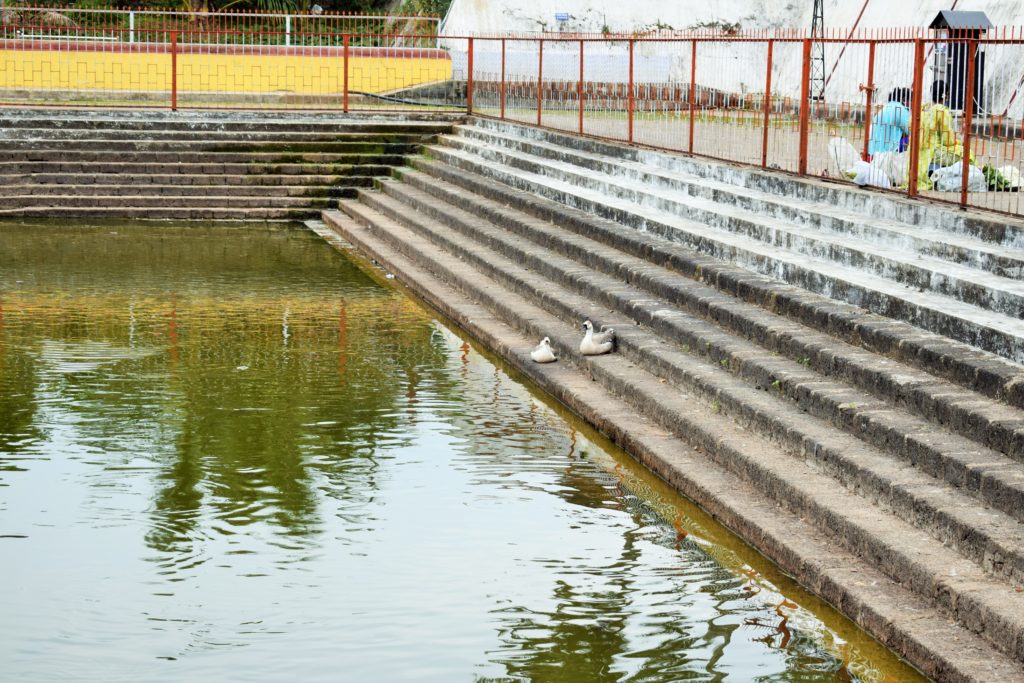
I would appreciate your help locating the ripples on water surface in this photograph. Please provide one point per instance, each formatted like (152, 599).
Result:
(227, 453)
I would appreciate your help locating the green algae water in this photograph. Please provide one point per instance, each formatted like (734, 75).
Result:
(228, 453)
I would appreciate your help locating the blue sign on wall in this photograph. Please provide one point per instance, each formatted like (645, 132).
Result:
(561, 16)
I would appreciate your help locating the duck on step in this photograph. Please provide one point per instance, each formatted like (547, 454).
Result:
(596, 344)
(543, 353)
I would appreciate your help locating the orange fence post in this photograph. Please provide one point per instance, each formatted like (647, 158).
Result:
(914, 148)
(540, 80)
(580, 88)
(629, 96)
(968, 102)
(805, 106)
(503, 78)
(767, 104)
(344, 78)
(693, 88)
(469, 79)
(174, 71)
(869, 96)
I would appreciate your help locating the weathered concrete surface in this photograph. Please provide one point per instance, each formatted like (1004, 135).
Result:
(842, 443)
(196, 165)
(791, 229)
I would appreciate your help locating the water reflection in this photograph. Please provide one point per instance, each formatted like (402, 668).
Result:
(233, 451)
(648, 603)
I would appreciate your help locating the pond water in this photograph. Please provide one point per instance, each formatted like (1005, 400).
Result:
(228, 453)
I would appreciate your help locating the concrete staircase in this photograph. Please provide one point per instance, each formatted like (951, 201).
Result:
(791, 356)
(243, 166)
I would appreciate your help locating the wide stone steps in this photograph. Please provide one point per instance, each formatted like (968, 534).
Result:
(207, 165)
(43, 160)
(196, 125)
(921, 272)
(857, 463)
(892, 261)
(198, 211)
(242, 183)
(312, 186)
(200, 129)
(173, 168)
(139, 201)
(759, 341)
(864, 205)
(832, 337)
(696, 400)
(172, 138)
(211, 165)
(357, 144)
(978, 252)
(987, 329)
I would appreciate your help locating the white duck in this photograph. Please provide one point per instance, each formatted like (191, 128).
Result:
(543, 353)
(596, 344)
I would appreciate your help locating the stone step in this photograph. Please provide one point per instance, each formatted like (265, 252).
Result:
(306, 189)
(45, 159)
(899, 265)
(988, 330)
(362, 176)
(605, 247)
(49, 168)
(199, 125)
(807, 427)
(998, 259)
(197, 165)
(139, 201)
(338, 153)
(199, 212)
(863, 336)
(20, 138)
(865, 203)
(932, 573)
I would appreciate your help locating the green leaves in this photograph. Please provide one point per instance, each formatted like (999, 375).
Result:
(266, 5)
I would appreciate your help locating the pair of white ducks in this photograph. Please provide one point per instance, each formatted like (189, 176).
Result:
(593, 344)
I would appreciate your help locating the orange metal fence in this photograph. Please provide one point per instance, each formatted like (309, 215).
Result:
(199, 68)
(925, 113)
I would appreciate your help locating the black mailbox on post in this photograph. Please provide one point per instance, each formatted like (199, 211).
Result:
(951, 57)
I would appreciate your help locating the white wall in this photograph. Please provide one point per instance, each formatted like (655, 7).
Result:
(733, 67)
(475, 17)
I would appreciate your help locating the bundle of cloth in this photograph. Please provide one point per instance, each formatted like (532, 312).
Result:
(940, 153)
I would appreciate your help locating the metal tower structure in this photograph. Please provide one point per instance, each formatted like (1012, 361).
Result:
(817, 88)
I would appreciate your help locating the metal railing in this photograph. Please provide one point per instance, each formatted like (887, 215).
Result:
(225, 69)
(932, 114)
(925, 113)
(279, 28)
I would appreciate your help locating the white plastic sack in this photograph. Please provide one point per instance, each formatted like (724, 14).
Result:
(1012, 175)
(841, 156)
(950, 178)
(866, 174)
(893, 165)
